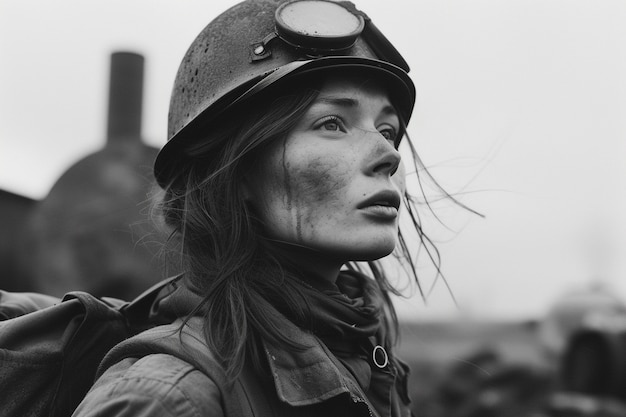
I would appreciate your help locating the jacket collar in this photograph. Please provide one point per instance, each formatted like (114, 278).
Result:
(304, 377)
(311, 375)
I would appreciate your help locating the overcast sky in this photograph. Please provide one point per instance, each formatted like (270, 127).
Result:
(520, 113)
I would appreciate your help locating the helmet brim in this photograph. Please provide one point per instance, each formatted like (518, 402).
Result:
(400, 86)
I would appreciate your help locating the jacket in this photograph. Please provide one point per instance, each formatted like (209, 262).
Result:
(311, 382)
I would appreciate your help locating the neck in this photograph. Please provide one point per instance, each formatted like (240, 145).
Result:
(311, 263)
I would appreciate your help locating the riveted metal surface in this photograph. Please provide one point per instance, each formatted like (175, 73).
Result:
(221, 67)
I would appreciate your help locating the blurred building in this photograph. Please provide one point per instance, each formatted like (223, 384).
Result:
(15, 212)
(93, 230)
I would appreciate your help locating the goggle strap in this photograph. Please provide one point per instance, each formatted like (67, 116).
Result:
(381, 46)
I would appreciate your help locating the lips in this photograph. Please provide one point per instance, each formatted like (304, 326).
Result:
(385, 198)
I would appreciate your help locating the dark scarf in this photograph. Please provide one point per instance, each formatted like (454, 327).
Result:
(348, 318)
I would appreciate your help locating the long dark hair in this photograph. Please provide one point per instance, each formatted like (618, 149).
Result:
(223, 252)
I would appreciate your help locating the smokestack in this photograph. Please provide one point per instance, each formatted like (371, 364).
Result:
(125, 96)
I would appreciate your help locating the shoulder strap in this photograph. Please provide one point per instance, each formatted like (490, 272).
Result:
(140, 309)
(242, 398)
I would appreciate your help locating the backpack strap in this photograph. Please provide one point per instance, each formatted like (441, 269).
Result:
(241, 398)
(141, 310)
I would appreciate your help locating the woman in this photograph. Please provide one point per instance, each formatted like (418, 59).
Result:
(281, 171)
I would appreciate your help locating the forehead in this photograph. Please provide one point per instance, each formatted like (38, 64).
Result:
(355, 87)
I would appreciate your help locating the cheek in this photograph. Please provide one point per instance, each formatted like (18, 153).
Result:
(319, 179)
(316, 187)
(296, 189)
(399, 178)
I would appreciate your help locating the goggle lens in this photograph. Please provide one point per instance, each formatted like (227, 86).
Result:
(318, 25)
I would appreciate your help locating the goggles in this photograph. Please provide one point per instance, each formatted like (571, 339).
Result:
(324, 27)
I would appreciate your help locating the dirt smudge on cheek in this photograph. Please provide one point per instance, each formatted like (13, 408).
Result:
(289, 183)
(321, 185)
(322, 180)
(286, 177)
(314, 185)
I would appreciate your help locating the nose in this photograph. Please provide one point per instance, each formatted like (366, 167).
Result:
(386, 160)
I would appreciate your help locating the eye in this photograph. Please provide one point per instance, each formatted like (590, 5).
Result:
(331, 124)
(390, 133)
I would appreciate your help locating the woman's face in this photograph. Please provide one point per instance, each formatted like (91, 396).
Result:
(335, 183)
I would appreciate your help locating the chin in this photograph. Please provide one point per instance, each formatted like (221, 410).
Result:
(359, 252)
(376, 254)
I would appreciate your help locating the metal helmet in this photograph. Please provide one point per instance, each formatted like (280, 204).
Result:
(259, 43)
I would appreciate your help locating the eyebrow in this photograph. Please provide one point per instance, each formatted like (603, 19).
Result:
(350, 103)
(339, 101)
